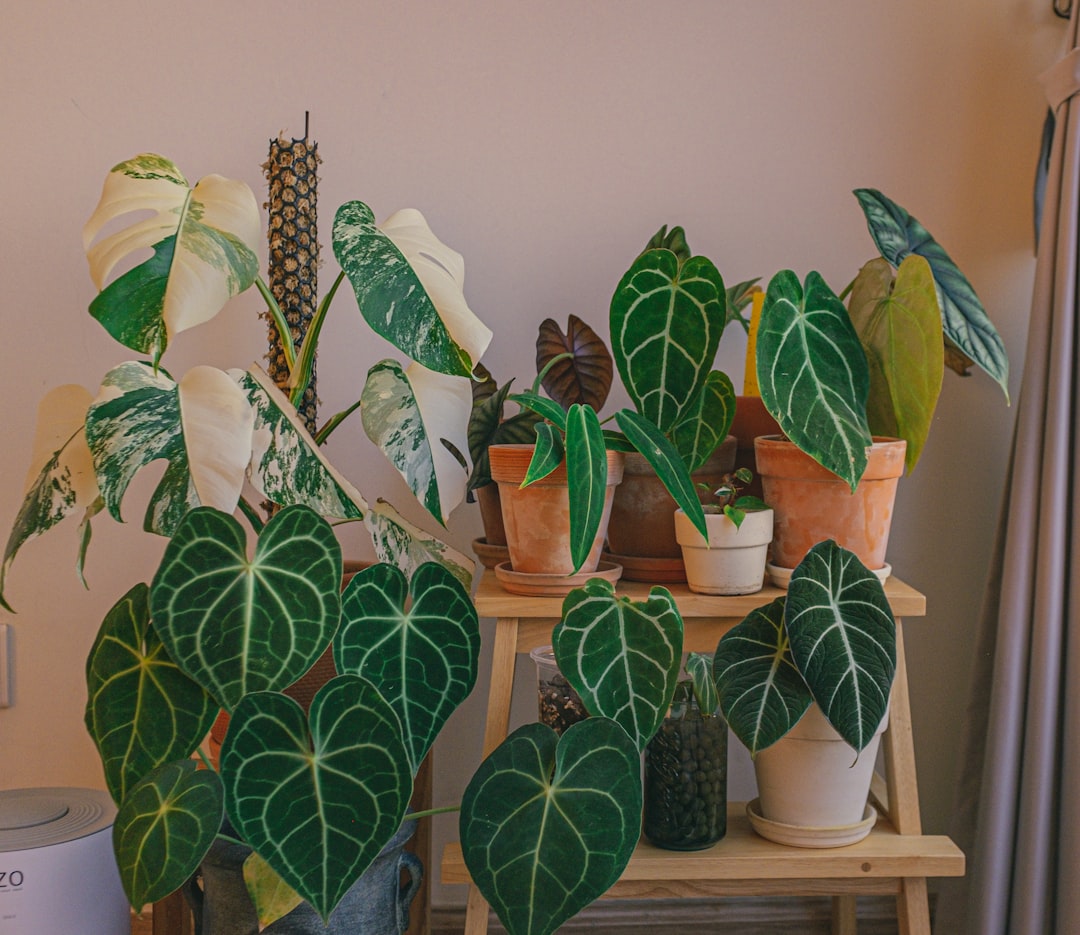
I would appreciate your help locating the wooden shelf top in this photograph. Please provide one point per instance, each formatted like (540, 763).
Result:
(745, 856)
(493, 601)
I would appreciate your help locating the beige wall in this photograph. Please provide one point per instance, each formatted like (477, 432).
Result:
(546, 141)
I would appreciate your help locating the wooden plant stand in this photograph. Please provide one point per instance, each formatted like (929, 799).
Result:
(897, 858)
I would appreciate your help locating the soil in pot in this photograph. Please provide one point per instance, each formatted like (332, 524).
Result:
(811, 504)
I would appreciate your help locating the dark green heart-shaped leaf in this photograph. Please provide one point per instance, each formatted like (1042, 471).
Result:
(238, 625)
(549, 824)
(899, 325)
(665, 322)
(164, 828)
(843, 639)
(666, 462)
(422, 660)
(761, 691)
(621, 656)
(141, 710)
(812, 373)
(706, 421)
(897, 235)
(587, 475)
(317, 806)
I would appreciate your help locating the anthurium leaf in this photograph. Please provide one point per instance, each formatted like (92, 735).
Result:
(204, 241)
(61, 479)
(621, 656)
(407, 546)
(547, 454)
(201, 426)
(237, 624)
(666, 319)
(417, 641)
(406, 413)
(699, 668)
(163, 829)
(142, 711)
(673, 240)
(586, 472)
(899, 325)
(542, 406)
(317, 803)
(286, 466)
(585, 377)
(271, 896)
(665, 460)
(812, 373)
(761, 691)
(706, 421)
(549, 824)
(843, 639)
(409, 288)
(965, 322)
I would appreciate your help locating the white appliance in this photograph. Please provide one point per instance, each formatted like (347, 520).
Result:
(58, 874)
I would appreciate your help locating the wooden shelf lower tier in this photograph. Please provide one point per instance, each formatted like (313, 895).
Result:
(745, 864)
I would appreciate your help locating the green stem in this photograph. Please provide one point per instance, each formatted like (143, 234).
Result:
(433, 811)
(280, 323)
(252, 515)
(847, 291)
(538, 382)
(335, 421)
(300, 373)
(205, 761)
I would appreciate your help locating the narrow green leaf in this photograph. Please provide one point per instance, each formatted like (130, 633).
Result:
(586, 471)
(547, 455)
(549, 824)
(621, 656)
(542, 406)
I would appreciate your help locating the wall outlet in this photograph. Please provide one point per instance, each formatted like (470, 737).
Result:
(6, 660)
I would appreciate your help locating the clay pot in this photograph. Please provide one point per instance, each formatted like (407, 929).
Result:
(491, 514)
(812, 504)
(537, 517)
(732, 561)
(751, 420)
(641, 515)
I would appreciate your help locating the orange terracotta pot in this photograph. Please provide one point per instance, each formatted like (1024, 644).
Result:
(812, 504)
(537, 517)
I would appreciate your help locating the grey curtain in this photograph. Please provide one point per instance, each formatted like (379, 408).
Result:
(1017, 813)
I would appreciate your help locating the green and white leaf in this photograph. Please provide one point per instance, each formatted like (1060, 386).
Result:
(587, 475)
(407, 546)
(812, 373)
(666, 462)
(204, 240)
(699, 668)
(965, 322)
(843, 639)
(318, 801)
(163, 829)
(706, 422)
(271, 896)
(899, 326)
(286, 466)
(417, 642)
(409, 287)
(621, 656)
(761, 691)
(61, 479)
(237, 624)
(666, 319)
(201, 426)
(548, 824)
(142, 711)
(407, 413)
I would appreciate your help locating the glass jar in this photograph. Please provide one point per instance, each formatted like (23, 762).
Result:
(559, 705)
(686, 777)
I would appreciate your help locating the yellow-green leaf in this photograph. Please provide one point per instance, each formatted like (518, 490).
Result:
(271, 895)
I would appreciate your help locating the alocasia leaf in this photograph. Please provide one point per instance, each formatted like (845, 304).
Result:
(317, 798)
(237, 624)
(549, 824)
(585, 376)
(205, 241)
(163, 829)
(621, 656)
(142, 711)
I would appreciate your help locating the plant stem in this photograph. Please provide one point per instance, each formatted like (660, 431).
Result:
(252, 515)
(427, 813)
(302, 367)
(538, 382)
(280, 323)
(847, 291)
(335, 421)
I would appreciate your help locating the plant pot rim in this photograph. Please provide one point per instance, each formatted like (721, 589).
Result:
(510, 462)
(778, 456)
(721, 526)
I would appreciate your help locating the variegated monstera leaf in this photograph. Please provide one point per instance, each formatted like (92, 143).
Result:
(204, 241)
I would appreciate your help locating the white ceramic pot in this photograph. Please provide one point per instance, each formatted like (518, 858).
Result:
(732, 561)
(812, 778)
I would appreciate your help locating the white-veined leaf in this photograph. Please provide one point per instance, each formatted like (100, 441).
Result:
(407, 546)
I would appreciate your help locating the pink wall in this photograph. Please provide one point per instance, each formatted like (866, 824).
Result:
(546, 141)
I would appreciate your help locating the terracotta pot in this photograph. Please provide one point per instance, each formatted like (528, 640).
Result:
(812, 504)
(537, 517)
(751, 420)
(641, 514)
(491, 514)
(732, 561)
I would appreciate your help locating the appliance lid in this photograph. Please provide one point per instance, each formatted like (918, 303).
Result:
(31, 818)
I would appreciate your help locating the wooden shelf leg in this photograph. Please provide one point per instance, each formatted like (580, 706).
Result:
(899, 750)
(913, 907)
(844, 920)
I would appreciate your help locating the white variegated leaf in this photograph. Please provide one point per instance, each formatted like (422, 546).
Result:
(286, 466)
(441, 270)
(407, 546)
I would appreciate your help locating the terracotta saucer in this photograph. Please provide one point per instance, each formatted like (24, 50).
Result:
(800, 836)
(780, 576)
(651, 570)
(547, 585)
(490, 555)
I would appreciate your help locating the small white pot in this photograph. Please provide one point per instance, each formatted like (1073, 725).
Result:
(812, 778)
(732, 561)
